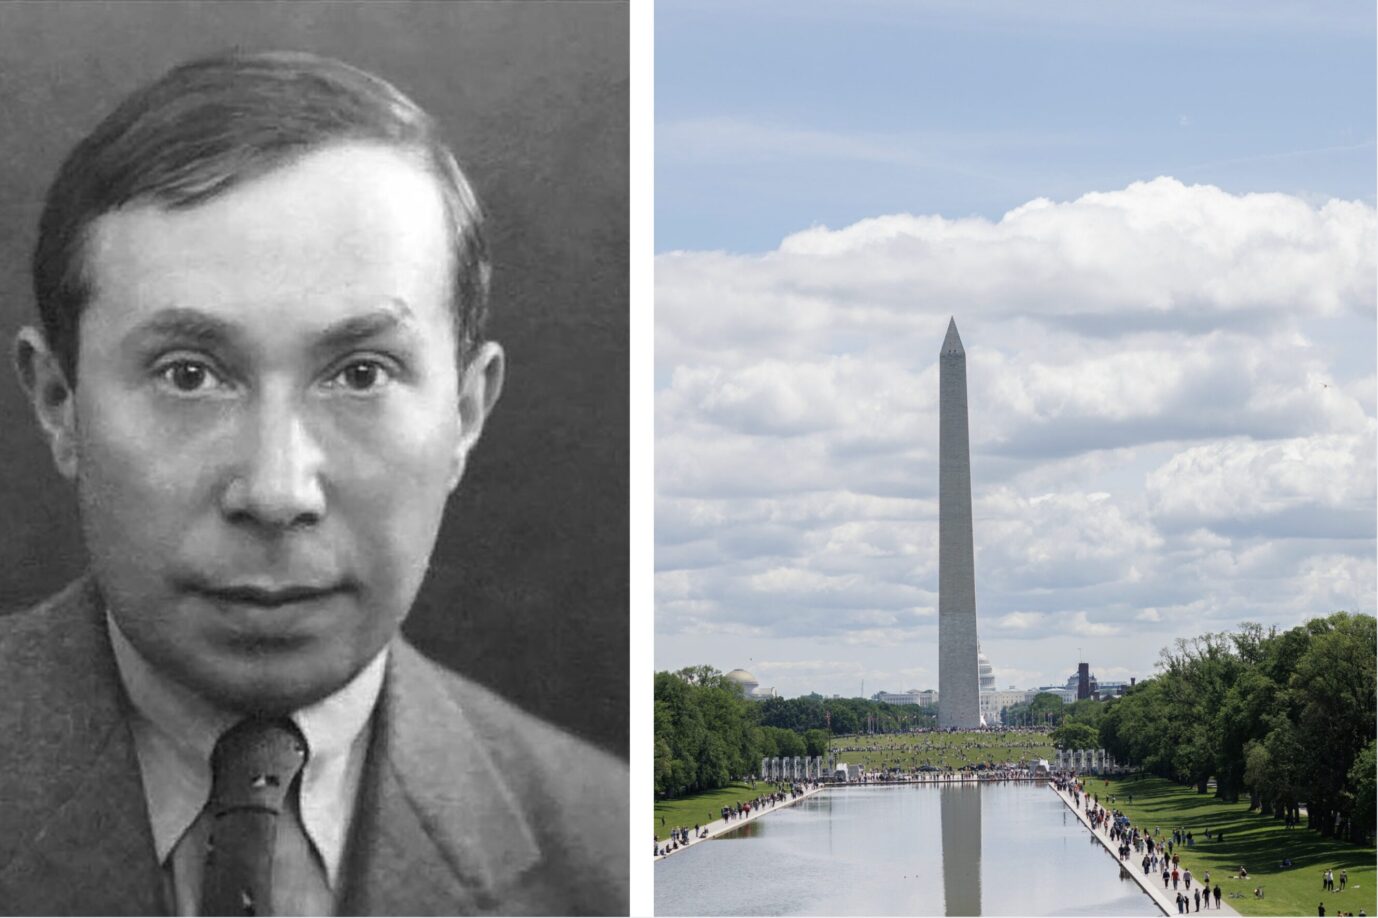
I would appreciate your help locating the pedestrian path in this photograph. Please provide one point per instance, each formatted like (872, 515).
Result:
(1165, 899)
(719, 826)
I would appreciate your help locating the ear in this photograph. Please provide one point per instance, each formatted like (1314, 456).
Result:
(53, 399)
(479, 389)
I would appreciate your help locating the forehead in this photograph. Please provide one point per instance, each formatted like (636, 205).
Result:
(342, 225)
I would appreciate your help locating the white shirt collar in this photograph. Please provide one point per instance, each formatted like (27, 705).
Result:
(175, 731)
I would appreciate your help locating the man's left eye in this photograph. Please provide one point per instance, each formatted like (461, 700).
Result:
(362, 376)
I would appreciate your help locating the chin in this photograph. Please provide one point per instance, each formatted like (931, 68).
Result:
(272, 684)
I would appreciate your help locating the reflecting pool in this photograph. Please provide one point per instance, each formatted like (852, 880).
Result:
(993, 849)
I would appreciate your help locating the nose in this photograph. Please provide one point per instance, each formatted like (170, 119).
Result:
(276, 482)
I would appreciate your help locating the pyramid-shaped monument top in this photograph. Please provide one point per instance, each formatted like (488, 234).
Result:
(952, 344)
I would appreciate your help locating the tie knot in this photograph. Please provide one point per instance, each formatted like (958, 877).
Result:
(254, 764)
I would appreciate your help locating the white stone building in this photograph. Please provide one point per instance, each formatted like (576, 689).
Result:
(749, 686)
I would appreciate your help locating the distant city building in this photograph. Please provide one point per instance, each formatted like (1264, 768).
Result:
(927, 698)
(1074, 682)
(994, 703)
(1066, 694)
(749, 686)
(985, 672)
(1095, 688)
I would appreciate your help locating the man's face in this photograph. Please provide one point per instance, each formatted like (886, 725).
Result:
(268, 421)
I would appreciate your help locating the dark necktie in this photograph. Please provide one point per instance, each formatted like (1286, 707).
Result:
(253, 767)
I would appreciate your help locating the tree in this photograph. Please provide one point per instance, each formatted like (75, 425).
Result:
(664, 758)
(1135, 728)
(683, 732)
(816, 742)
(1241, 719)
(1087, 711)
(1286, 716)
(1072, 735)
(1334, 684)
(844, 717)
(704, 675)
(1364, 801)
(1196, 677)
(1045, 708)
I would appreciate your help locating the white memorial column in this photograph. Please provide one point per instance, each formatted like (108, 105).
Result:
(958, 681)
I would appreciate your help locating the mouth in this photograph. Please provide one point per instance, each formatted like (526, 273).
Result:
(258, 617)
(266, 597)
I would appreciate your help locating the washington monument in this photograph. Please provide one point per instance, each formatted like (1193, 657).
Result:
(958, 682)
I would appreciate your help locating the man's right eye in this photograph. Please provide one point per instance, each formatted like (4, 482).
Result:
(189, 376)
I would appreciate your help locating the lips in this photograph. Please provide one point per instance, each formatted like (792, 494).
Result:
(269, 597)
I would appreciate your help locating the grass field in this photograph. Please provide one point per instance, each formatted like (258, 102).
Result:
(698, 809)
(908, 751)
(1258, 842)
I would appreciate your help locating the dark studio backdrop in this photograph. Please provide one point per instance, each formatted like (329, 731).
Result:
(528, 589)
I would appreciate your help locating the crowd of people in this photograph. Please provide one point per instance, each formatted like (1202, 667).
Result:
(1157, 851)
(909, 754)
(948, 775)
(1159, 854)
(682, 837)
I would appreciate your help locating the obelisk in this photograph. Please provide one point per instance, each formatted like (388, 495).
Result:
(958, 682)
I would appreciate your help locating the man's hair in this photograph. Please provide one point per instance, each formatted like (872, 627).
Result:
(210, 124)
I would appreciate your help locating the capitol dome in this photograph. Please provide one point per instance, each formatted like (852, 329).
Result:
(986, 671)
(744, 681)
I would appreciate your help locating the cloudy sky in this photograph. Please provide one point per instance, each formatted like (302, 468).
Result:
(1157, 235)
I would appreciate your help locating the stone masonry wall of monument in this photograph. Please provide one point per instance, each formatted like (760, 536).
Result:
(958, 680)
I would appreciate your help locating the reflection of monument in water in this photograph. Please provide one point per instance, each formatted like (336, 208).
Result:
(960, 806)
(958, 700)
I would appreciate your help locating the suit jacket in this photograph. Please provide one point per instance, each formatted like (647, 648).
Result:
(468, 805)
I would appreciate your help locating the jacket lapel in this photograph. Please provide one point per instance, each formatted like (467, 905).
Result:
(84, 842)
(439, 829)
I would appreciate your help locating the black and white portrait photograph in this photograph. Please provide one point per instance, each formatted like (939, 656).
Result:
(314, 539)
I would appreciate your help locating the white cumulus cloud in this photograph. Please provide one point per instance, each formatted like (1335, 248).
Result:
(1171, 429)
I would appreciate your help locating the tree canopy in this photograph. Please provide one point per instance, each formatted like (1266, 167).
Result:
(707, 733)
(1287, 717)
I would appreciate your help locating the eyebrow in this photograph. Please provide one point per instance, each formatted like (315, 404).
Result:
(356, 329)
(185, 324)
(201, 328)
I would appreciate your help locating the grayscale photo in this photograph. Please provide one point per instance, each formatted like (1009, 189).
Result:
(314, 467)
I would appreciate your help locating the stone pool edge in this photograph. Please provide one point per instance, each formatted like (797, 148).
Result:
(1169, 906)
(719, 826)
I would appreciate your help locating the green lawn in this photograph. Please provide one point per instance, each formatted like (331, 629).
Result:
(908, 751)
(1258, 842)
(700, 809)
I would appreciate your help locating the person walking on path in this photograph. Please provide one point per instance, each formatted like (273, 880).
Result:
(1197, 896)
(1186, 878)
(1175, 877)
(1217, 894)
(1166, 876)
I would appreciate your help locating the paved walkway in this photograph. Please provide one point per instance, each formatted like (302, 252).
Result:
(1150, 883)
(719, 826)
